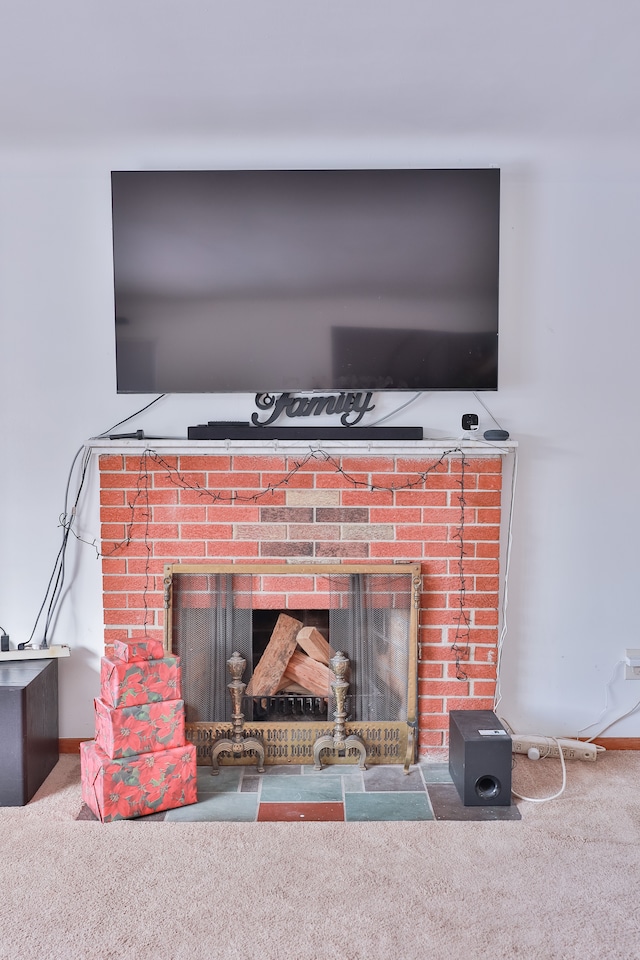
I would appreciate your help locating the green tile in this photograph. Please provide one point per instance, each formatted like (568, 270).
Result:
(333, 770)
(234, 808)
(387, 806)
(227, 780)
(282, 769)
(289, 789)
(350, 776)
(353, 784)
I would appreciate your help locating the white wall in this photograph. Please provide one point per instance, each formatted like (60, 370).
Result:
(569, 339)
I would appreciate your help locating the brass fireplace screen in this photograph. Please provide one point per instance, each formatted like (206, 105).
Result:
(369, 612)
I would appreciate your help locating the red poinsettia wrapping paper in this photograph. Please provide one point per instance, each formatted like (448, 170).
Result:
(132, 650)
(145, 681)
(144, 728)
(135, 786)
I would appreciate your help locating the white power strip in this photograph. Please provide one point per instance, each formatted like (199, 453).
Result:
(35, 653)
(537, 748)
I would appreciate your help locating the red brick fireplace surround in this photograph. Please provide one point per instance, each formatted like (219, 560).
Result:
(229, 501)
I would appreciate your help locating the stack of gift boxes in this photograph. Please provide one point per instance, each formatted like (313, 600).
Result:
(139, 762)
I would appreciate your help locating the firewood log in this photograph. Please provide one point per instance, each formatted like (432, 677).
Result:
(309, 673)
(267, 675)
(314, 644)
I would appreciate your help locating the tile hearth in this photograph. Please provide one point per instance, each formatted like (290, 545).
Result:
(338, 792)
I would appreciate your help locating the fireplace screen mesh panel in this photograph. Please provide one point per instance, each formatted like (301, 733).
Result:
(369, 620)
(211, 620)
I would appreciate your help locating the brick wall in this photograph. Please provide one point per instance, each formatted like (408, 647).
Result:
(443, 511)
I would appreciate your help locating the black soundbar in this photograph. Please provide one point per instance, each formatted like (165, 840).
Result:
(235, 431)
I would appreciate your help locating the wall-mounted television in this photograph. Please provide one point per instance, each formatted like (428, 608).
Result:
(266, 281)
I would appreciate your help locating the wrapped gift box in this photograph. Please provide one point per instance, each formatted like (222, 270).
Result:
(135, 786)
(145, 728)
(132, 650)
(125, 684)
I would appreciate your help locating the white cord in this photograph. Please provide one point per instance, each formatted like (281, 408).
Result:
(397, 410)
(481, 401)
(554, 796)
(622, 716)
(505, 597)
(606, 708)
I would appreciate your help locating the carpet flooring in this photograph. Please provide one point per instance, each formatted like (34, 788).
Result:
(561, 883)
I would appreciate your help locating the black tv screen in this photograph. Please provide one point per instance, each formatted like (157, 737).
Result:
(265, 281)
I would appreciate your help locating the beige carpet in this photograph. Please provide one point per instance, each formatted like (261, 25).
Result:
(563, 882)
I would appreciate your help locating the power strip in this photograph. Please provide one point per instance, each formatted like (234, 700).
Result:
(537, 748)
(35, 653)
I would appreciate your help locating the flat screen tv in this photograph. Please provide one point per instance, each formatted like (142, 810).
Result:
(267, 281)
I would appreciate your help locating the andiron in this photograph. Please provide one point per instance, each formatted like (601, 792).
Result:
(339, 742)
(238, 743)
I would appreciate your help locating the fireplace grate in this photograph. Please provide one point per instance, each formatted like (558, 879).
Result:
(289, 707)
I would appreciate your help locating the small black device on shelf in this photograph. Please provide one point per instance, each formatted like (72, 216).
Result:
(469, 421)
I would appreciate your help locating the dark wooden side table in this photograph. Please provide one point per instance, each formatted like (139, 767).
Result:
(28, 727)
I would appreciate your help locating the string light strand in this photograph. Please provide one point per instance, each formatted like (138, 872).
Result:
(140, 509)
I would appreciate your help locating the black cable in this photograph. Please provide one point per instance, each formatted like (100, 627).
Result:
(58, 573)
(67, 522)
(461, 640)
(61, 550)
(126, 419)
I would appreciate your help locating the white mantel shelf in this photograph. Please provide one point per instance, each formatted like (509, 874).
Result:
(427, 447)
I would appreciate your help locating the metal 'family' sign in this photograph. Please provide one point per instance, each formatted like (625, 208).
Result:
(350, 406)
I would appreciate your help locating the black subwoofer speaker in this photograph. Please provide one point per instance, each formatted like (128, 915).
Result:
(480, 758)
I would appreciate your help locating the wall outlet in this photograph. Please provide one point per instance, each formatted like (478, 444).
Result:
(632, 663)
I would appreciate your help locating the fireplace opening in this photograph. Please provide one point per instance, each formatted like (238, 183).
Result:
(287, 622)
(293, 702)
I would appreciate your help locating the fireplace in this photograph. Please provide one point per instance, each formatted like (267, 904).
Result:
(366, 612)
(231, 503)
